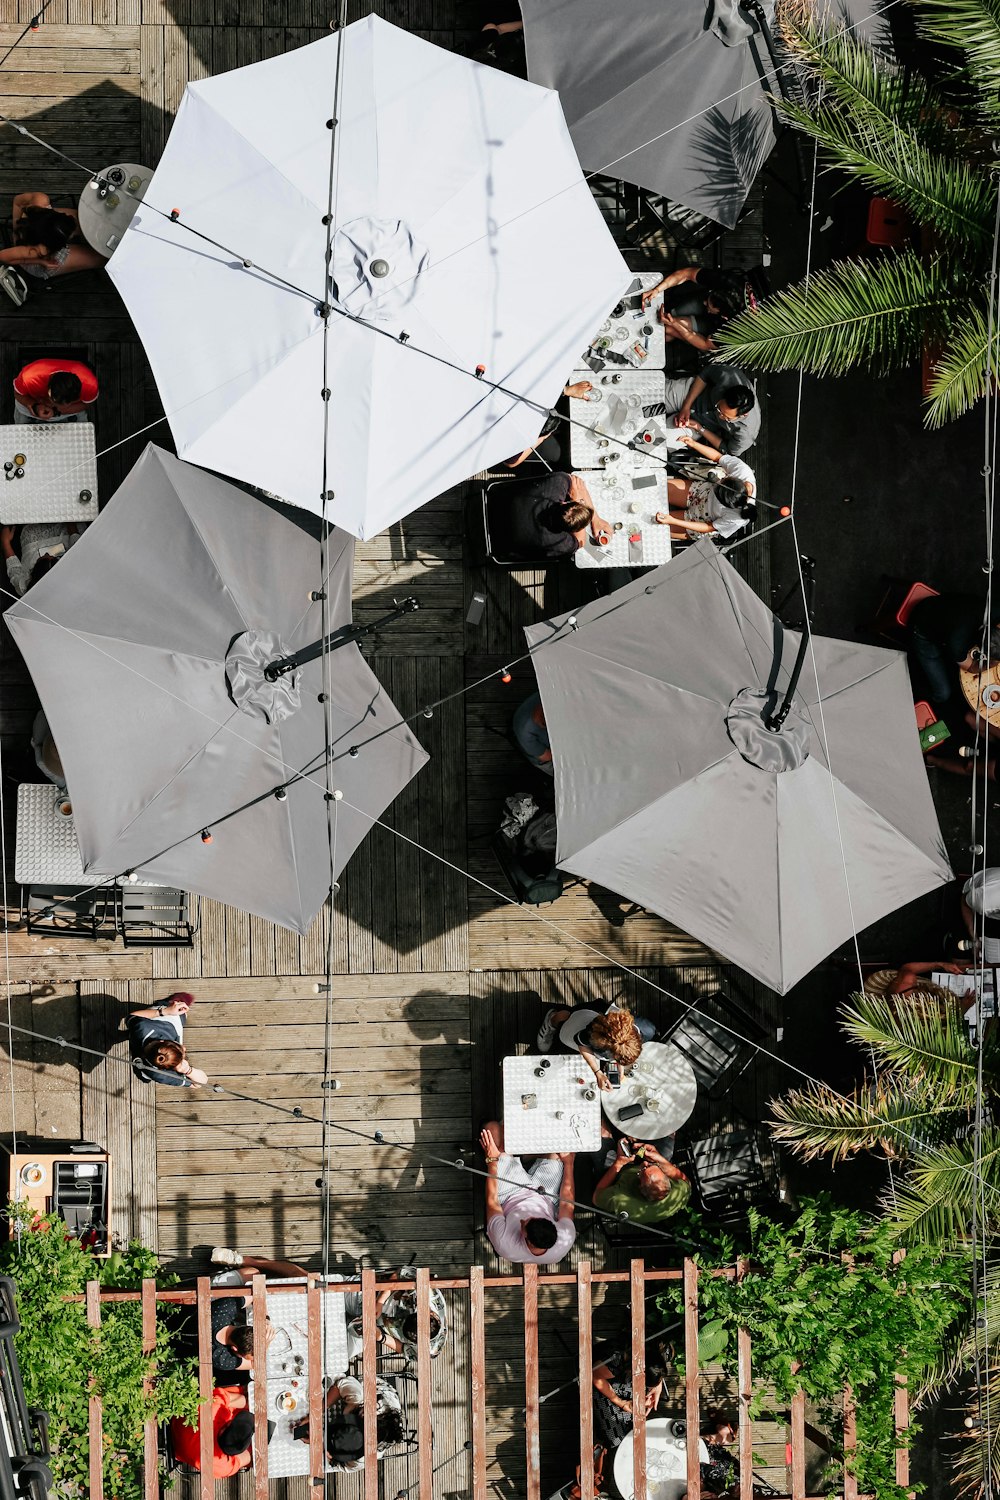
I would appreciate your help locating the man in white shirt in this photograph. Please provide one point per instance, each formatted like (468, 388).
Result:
(529, 1211)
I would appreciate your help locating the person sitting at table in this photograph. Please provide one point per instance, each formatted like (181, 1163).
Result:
(914, 979)
(522, 1223)
(642, 1184)
(720, 1472)
(156, 1043)
(396, 1321)
(47, 240)
(232, 1434)
(549, 445)
(42, 544)
(616, 1036)
(345, 1422)
(544, 518)
(719, 404)
(531, 734)
(945, 637)
(613, 1393)
(54, 390)
(705, 506)
(696, 303)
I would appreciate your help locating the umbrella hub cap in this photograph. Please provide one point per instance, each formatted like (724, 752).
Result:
(376, 266)
(249, 689)
(770, 750)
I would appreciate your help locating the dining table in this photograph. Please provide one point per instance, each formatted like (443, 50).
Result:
(666, 1461)
(631, 336)
(109, 201)
(549, 1104)
(629, 502)
(49, 472)
(662, 1084)
(288, 1368)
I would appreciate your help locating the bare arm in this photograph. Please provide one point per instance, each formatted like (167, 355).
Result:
(695, 390)
(567, 1192)
(675, 278)
(602, 1383)
(703, 448)
(611, 1175)
(671, 518)
(492, 1153)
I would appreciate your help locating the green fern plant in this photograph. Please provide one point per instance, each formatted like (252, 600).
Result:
(929, 148)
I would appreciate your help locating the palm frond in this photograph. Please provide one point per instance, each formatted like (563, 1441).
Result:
(855, 313)
(916, 1036)
(934, 1205)
(893, 1113)
(935, 187)
(962, 370)
(974, 27)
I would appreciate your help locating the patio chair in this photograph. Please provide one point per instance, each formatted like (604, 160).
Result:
(717, 1038)
(730, 1174)
(69, 911)
(151, 916)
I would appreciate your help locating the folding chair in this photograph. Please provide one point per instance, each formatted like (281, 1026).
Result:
(715, 1036)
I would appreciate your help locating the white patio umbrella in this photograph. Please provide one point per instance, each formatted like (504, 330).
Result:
(461, 220)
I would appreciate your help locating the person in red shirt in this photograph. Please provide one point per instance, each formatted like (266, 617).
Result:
(232, 1434)
(54, 390)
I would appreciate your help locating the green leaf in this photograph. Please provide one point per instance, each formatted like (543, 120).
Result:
(854, 314)
(960, 377)
(913, 1035)
(974, 27)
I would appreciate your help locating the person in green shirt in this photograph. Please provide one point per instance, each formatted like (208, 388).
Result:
(642, 1183)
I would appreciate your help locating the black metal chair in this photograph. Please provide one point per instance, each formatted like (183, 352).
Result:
(717, 1037)
(154, 916)
(69, 910)
(731, 1173)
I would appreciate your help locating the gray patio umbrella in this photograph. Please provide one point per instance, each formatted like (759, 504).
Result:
(769, 846)
(668, 96)
(148, 644)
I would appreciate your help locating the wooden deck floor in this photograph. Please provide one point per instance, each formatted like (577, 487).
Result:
(437, 972)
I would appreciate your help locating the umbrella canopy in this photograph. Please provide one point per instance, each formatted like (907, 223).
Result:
(771, 848)
(667, 96)
(461, 220)
(147, 644)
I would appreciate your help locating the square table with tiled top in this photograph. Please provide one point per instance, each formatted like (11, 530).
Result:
(614, 344)
(288, 1368)
(59, 482)
(46, 851)
(628, 502)
(614, 409)
(565, 1115)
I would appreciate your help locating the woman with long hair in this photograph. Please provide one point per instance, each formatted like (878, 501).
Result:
(47, 240)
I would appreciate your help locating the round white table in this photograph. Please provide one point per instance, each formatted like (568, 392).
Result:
(103, 221)
(666, 1462)
(663, 1082)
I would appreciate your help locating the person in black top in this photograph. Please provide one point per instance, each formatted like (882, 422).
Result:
(719, 404)
(945, 636)
(696, 303)
(156, 1044)
(543, 518)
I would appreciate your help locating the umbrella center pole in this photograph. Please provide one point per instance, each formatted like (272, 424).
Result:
(776, 720)
(342, 637)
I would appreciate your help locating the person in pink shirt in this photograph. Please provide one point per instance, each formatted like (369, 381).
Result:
(529, 1210)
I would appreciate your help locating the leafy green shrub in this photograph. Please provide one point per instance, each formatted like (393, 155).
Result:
(63, 1361)
(817, 1324)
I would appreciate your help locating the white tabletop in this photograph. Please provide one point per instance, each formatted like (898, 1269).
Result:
(620, 334)
(662, 1074)
(59, 465)
(103, 221)
(46, 851)
(599, 419)
(666, 1462)
(614, 495)
(558, 1093)
(289, 1311)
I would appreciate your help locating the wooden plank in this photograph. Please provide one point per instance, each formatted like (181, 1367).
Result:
(691, 1410)
(477, 1340)
(314, 1325)
(744, 1379)
(151, 1452)
(368, 1353)
(425, 1436)
(62, 968)
(95, 1425)
(206, 1483)
(798, 1432)
(532, 1433)
(83, 39)
(585, 1370)
(850, 1445)
(253, 997)
(260, 1404)
(637, 1304)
